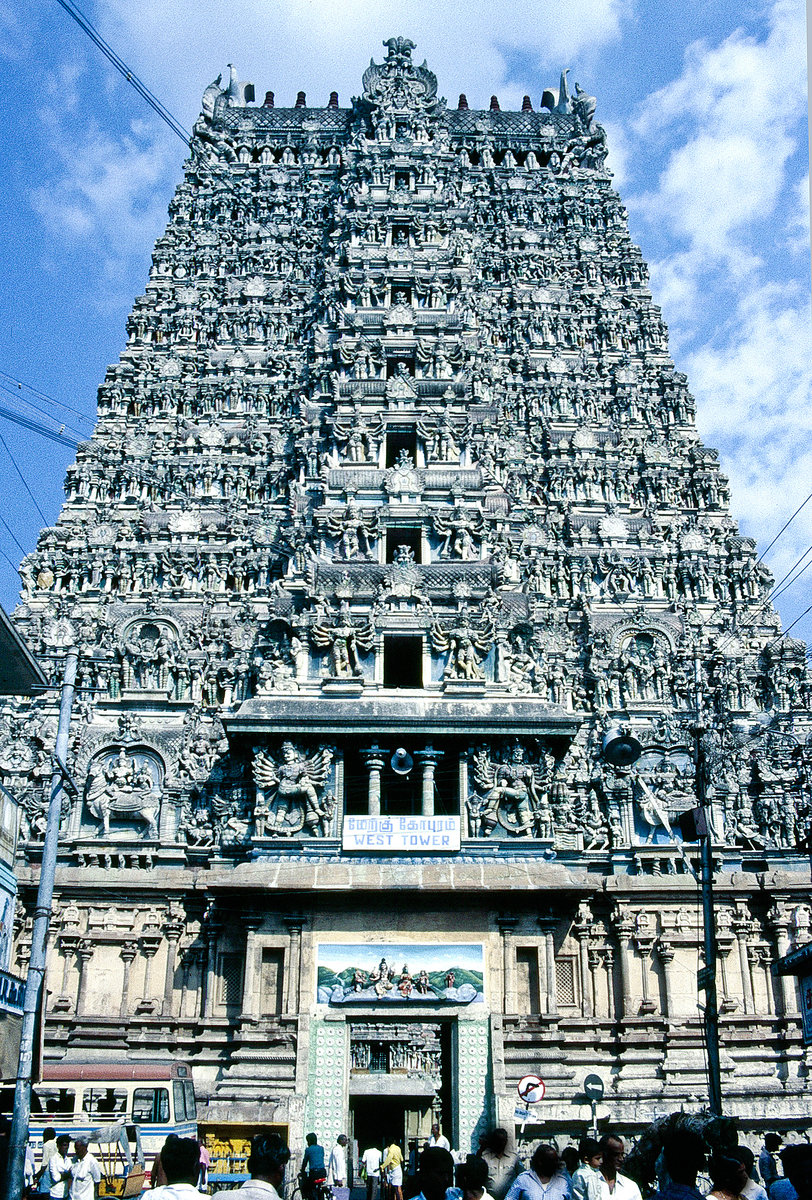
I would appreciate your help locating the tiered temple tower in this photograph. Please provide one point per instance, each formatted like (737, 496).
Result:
(395, 505)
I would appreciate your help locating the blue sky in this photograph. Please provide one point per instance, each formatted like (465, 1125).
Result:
(706, 110)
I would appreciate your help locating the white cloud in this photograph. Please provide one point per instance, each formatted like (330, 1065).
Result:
(321, 45)
(733, 119)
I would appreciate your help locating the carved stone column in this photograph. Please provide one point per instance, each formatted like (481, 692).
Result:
(68, 944)
(429, 758)
(172, 932)
(84, 951)
(779, 921)
(507, 926)
(614, 1009)
(128, 952)
(250, 993)
(645, 948)
(594, 966)
(666, 955)
(294, 923)
(624, 928)
(211, 933)
(742, 926)
(724, 944)
(548, 926)
(582, 927)
(375, 763)
(192, 958)
(150, 944)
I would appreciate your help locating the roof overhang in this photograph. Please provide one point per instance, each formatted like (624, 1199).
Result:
(20, 674)
(402, 714)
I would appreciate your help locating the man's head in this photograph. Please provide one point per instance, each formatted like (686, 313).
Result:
(48, 1134)
(545, 1161)
(684, 1154)
(63, 1144)
(80, 1146)
(342, 1139)
(727, 1172)
(435, 1172)
(435, 1130)
(312, 1140)
(474, 1176)
(269, 1156)
(589, 1152)
(612, 1154)
(797, 1163)
(180, 1159)
(745, 1156)
(772, 1141)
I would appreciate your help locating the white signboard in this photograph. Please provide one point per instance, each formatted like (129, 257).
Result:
(415, 835)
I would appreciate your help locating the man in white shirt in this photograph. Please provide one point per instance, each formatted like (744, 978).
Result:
(180, 1163)
(371, 1159)
(55, 1179)
(337, 1166)
(613, 1184)
(85, 1173)
(437, 1138)
(266, 1165)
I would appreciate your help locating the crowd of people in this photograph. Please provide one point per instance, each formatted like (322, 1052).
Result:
(682, 1166)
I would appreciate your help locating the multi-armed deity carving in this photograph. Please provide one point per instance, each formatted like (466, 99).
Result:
(291, 792)
(345, 640)
(511, 789)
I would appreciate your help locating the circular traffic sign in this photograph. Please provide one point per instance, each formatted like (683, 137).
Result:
(531, 1088)
(593, 1087)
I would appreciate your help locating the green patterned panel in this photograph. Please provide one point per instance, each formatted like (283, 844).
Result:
(327, 1086)
(474, 1083)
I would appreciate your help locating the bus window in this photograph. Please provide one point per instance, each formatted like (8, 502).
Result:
(179, 1100)
(52, 1101)
(191, 1106)
(104, 1104)
(151, 1106)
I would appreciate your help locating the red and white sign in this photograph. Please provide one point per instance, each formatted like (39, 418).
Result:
(531, 1089)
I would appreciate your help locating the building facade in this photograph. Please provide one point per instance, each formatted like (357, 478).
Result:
(394, 506)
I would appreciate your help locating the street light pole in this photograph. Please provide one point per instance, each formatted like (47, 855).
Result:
(32, 1003)
(707, 977)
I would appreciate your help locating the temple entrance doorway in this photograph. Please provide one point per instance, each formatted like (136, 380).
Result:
(379, 1120)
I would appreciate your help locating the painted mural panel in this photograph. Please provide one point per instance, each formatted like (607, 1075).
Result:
(400, 973)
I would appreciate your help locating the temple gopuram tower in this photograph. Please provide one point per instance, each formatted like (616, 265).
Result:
(395, 505)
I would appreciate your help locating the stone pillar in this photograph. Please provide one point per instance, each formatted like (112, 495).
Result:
(507, 926)
(375, 764)
(764, 960)
(172, 932)
(294, 923)
(741, 927)
(68, 944)
(582, 928)
(192, 957)
(614, 1009)
(666, 954)
(548, 925)
(594, 962)
(149, 948)
(128, 952)
(250, 991)
(85, 952)
(211, 931)
(624, 928)
(463, 788)
(645, 948)
(778, 918)
(429, 758)
(724, 945)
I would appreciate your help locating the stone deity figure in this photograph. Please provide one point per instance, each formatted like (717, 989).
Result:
(345, 641)
(291, 791)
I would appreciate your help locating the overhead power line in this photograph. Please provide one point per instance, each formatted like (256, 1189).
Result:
(21, 386)
(5, 446)
(37, 427)
(63, 424)
(131, 77)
